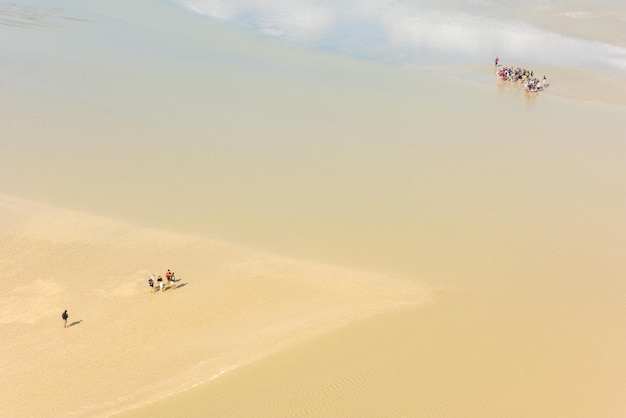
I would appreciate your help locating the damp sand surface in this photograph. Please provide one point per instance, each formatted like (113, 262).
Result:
(358, 231)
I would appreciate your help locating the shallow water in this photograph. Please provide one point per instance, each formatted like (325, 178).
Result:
(581, 33)
(312, 155)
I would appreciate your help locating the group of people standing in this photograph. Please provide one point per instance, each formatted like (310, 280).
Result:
(171, 283)
(534, 85)
(169, 276)
(531, 83)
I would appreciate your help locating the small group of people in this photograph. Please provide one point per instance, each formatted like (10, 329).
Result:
(169, 276)
(531, 83)
(514, 74)
(535, 85)
(171, 282)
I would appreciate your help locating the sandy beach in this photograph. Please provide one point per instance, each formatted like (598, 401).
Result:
(358, 228)
(125, 345)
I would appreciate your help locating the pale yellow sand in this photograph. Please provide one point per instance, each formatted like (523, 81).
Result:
(512, 205)
(578, 84)
(126, 346)
(455, 358)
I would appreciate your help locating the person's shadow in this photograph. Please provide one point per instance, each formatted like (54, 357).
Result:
(176, 286)
(75, 323)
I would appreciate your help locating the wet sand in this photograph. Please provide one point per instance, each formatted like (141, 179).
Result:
(352, 238)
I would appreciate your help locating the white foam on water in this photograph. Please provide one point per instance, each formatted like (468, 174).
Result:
(577, 15)
(413, 33)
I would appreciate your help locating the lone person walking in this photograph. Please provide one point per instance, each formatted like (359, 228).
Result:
(65, 316)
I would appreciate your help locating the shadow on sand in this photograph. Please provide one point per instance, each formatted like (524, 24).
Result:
(168, 288)
(75, 323)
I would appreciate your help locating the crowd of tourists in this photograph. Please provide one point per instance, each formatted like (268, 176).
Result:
(521, 75)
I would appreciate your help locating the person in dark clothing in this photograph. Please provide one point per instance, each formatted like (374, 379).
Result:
(65, 316)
